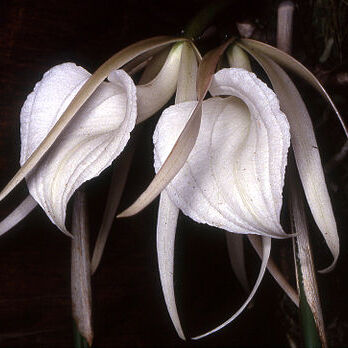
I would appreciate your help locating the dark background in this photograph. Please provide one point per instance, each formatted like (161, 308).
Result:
(129, 310)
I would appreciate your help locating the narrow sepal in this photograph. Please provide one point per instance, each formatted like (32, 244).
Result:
(118, 181)
(166, 230)
(23, 210)
(288, 62)
(278, 276)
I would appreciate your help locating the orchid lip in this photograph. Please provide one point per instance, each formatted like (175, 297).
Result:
(246, 196)
(87, 146)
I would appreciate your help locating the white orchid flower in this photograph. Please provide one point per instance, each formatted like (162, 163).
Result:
(90, 143)
(105, 113)
(233, 178)
(234, 175)
(99, 131)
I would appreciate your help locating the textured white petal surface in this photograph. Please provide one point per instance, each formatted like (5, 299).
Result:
(93, 139)
(233, 178)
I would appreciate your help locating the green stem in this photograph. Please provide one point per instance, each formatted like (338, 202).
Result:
(79, 341)
(204, 18)
(309, 329)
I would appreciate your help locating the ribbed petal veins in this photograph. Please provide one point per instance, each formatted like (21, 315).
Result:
(234, 176)
(93, 139)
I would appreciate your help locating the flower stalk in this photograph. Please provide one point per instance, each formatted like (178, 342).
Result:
(81, 294)
(79, 340)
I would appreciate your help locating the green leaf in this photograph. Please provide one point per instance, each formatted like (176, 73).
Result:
(79, 341)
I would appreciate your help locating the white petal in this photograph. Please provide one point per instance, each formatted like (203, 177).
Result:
(167, 210)
(237, 58)
(233, 178)
(93, 139)
(187, 76)
(153, 95)
(136, 52)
